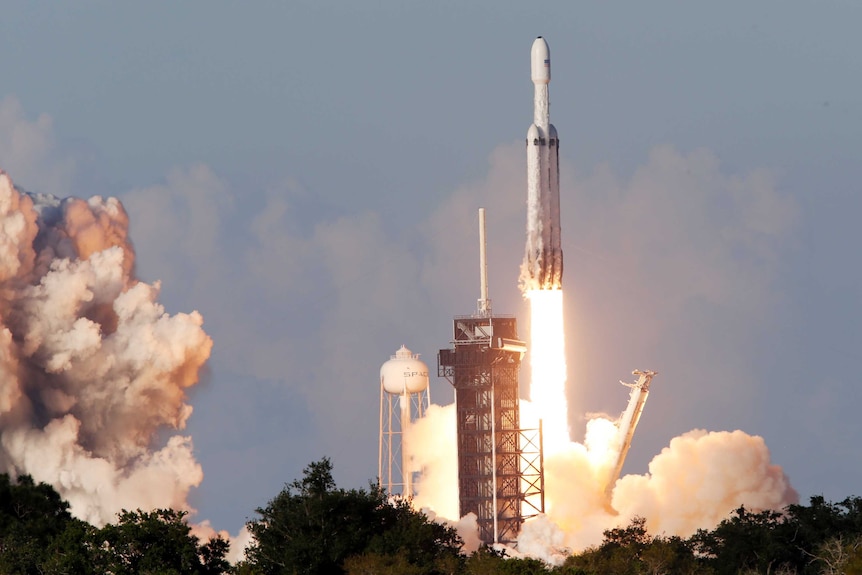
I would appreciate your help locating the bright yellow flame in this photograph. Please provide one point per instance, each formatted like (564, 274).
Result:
(602, 443)
(548, 367)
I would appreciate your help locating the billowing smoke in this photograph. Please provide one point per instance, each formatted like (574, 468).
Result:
(431, 441)
(91, 366)
(635, 294)
(695, 482)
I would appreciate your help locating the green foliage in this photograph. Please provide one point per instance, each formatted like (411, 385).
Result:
(71, 551)
(769, 541)
(745, 541)
(37, 533)
(244, 568)
(489, 561)
(485, 561)
(619, 553)
(810, 527)
(312, 527)
(410, 534)
(670, 555)
(158, 542)
(633, 551)
(839, 556)
(212, 554)
(39, 536)
(381, 564)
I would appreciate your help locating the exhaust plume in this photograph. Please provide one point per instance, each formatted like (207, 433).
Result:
(695, 482)
(91, 366)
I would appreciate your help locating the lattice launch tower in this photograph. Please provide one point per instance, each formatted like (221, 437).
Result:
(500, 467)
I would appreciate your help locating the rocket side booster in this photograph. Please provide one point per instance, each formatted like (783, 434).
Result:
(628, 422)
(543, 260)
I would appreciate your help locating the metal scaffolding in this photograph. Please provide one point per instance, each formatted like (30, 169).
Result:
(500, 466)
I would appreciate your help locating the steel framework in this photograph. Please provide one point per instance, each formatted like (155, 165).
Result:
(500, 466)
(397, 412)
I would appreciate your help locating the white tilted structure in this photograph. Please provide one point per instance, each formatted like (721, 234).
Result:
(628, 422)
(404, 397)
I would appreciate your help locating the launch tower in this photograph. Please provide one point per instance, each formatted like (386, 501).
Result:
(500, 467)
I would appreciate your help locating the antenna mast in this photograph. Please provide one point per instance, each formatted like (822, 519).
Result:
(484, 302)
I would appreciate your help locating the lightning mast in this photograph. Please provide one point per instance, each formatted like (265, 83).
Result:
(500, 465)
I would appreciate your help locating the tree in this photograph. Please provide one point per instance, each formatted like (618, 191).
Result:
(72, 551)
(748, 541)
(670, 555)
(485, 561)
(37, 532)
(312, 527)
(407, 532)
(632, 550)
(838, 556)
(490, 561)
(620, 552)
(377, 564)
(156, 542)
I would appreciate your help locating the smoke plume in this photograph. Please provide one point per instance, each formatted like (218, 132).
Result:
(695, 482)
(91, 366)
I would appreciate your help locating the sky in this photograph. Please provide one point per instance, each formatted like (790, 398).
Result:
(306, 175)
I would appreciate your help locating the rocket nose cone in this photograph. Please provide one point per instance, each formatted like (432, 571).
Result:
(540, 61)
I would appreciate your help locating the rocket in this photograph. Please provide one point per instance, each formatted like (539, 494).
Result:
(543, 260)
(628, 422)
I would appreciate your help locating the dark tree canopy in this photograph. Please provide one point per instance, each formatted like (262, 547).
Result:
(37, 533)
(312, 528)
(156, 542)
(39, 536)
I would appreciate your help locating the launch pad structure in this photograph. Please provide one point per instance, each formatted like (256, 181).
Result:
(500, 464)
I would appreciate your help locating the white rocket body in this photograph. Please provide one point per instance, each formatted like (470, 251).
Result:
(628, 422)
(543, 260)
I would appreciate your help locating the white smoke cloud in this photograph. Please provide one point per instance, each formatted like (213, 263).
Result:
(674, 268)
(178, 225)
(27, 150)
(695, 482)
(467, 528)
(433, 441)
(92, 365)
(714, 240)
(699, 479)
(679, 239)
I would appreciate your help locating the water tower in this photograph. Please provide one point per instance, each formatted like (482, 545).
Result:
(404, 398)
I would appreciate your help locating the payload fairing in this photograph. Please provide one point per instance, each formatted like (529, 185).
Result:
(543, 260)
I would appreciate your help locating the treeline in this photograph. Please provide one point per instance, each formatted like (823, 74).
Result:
(39, 536)
(315, 528)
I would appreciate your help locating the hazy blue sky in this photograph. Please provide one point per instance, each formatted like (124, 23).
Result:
(306, 174)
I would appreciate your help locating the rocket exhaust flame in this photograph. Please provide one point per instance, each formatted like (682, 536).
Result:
(542, 270)
(583, 496)
(548, 366)
(695, 482)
